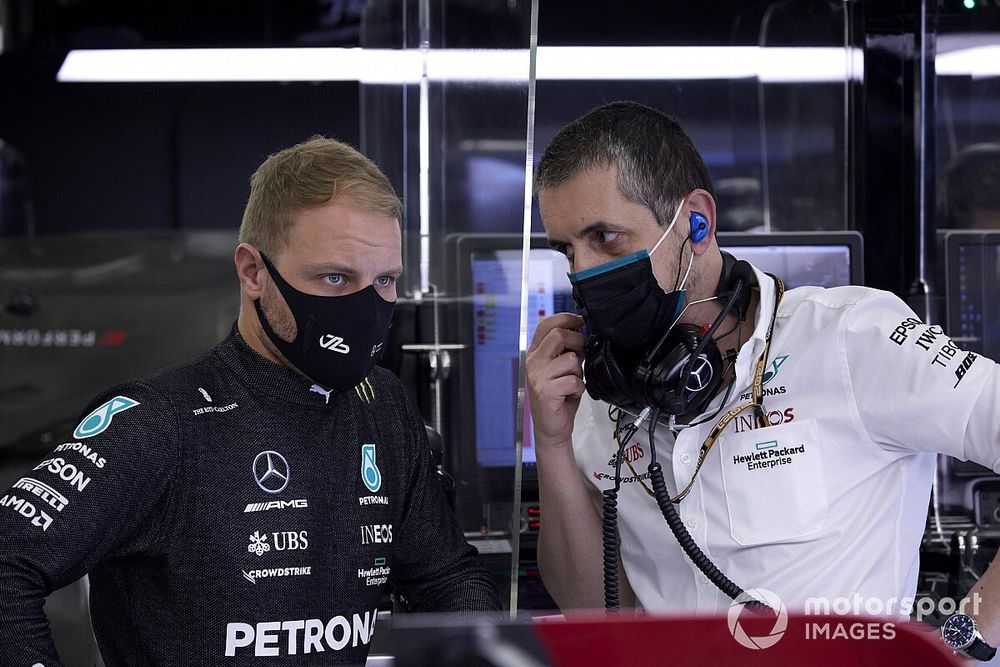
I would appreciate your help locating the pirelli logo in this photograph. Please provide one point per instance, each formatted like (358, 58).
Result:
(52, 497)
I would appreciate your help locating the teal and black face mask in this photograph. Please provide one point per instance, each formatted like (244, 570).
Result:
(622, 302)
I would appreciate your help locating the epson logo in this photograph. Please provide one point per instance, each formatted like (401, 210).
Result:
(66, 471)
(311, 635)
(376, 534)
(334, 344)
(301, 503)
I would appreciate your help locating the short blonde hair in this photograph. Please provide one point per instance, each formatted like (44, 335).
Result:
(307, 175)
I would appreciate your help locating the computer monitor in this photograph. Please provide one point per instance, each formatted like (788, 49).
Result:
(825, 259)
(972, 285)
(489, 290)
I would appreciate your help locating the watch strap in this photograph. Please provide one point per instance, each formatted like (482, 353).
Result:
(980, 650)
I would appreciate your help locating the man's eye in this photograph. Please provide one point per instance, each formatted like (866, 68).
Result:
(608, 236)
(334, 278)
(385, 281)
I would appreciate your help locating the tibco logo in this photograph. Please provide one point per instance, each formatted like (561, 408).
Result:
(316, 636)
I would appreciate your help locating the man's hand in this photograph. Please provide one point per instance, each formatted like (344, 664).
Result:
(554, 375)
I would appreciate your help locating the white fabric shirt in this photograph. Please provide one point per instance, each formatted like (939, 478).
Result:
(831, 500)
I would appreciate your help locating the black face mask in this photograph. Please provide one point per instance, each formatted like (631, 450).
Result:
(622, 302)
(339, 338)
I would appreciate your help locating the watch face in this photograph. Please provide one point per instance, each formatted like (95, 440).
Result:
(958, 631)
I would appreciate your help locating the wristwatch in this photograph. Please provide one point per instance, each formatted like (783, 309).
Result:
(961, 634)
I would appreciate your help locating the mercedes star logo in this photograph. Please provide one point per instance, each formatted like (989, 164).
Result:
(700, 375)
(270, 469)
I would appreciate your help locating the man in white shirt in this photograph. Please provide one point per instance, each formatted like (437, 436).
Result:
(818, 491)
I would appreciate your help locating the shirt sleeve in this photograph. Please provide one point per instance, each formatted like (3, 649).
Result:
(101, 493)
(434, 567)
(915, 389)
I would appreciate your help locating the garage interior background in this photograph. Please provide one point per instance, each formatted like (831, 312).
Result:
(119, 201)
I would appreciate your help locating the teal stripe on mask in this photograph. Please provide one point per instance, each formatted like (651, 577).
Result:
(607, 266)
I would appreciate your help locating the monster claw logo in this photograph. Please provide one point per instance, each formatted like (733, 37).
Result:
(365, 391)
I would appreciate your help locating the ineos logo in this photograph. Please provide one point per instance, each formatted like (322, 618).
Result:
(333, 343)
(700, 375)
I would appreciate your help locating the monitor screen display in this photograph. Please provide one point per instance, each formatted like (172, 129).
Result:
(825, 266)
(973, 284)
(824, 259)
(496, 294)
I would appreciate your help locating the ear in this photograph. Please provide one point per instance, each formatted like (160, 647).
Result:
(702, 202)
(250, 270)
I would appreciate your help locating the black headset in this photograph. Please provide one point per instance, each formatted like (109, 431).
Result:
(683, 370)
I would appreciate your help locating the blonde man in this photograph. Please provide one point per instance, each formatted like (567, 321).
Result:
(256, 502)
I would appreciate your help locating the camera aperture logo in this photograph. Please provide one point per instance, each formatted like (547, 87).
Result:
(756, 640)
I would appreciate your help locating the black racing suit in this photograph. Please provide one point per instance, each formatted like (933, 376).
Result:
(230, 512)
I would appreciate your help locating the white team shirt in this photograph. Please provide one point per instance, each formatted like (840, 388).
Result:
(830, 501)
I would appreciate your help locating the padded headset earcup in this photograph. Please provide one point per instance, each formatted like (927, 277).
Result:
(606, 376)
(675, 386)
(699, 227)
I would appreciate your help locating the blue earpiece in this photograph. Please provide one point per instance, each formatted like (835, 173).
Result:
(699, 227)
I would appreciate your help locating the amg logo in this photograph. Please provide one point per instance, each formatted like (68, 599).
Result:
(373, 500)
(301, 503)
(310, 635)
(376, 534)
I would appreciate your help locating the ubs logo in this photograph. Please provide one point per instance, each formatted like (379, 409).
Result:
(261, 543)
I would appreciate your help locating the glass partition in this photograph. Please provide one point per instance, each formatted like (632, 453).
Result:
(449, 126)
(763, 90)
(962, 171)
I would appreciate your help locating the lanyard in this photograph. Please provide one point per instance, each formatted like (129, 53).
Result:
(756, 402)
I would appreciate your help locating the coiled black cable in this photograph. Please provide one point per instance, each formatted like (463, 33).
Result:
(609, 522)
(609, 541)
(680, 531)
